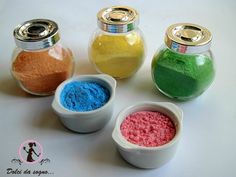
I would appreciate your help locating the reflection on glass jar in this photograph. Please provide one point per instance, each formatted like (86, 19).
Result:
(40, 62)
(183, 68)
(117, 48)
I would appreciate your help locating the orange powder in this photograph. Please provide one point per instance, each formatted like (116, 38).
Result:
(42, 71)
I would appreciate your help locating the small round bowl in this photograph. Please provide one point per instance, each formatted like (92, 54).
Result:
(148, 157)
(89, 121)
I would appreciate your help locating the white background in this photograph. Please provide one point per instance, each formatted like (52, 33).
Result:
(208, 144)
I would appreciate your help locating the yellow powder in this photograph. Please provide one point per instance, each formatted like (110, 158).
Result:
(117, 55)
(41, 72)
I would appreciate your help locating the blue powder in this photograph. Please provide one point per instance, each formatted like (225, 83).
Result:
(84, 96)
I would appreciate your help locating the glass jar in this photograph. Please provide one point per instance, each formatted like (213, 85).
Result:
(183, 68)
(40, 62)
(117, 47)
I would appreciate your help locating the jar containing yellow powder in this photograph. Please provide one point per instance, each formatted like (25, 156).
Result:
(117, 46)
(40, 62)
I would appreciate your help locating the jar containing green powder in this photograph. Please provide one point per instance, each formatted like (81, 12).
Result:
(183, 68)
(117, 46)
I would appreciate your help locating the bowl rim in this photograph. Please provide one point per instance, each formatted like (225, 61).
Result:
(58, 107)
(125, 144)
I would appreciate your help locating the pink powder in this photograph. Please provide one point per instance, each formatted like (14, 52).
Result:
(147, 128)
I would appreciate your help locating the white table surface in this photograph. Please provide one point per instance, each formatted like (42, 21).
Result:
(208, 144)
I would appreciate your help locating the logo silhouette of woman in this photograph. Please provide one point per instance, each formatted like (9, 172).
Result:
(30, 152)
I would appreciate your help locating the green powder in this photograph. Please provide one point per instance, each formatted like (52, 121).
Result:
(182, 76)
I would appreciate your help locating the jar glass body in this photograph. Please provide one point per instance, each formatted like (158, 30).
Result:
(117, 54)
(39, 72)
(182, 76)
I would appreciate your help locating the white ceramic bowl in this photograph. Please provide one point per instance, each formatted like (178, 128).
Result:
(148, 157)
(89, 121)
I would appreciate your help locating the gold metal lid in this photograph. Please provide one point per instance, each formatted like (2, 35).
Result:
(36, 34)
(117, 19)
(188, 38)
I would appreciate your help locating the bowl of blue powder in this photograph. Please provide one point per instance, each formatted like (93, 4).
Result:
(85, 103)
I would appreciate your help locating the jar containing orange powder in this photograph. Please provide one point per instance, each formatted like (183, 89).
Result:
(40, 62)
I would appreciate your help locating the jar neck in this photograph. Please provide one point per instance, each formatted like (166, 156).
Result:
(58, 44)
(187, 50)
(117, 34)
(206, 52)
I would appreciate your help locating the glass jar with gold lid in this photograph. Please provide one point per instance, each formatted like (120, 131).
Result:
(117, 46)
(40, 61)
(183, 68)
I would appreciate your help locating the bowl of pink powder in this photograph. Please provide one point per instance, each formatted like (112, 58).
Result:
(147, 133)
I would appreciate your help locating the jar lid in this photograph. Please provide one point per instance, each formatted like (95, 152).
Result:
(118, 19)
(36, 34)
(188, 38)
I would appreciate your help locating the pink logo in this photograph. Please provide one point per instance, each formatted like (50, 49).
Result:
(30, 152)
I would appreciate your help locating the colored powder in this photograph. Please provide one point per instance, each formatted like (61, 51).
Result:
(182, 76)
(118, 55)
(148, 128)
(84, 96)
(40, 72)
